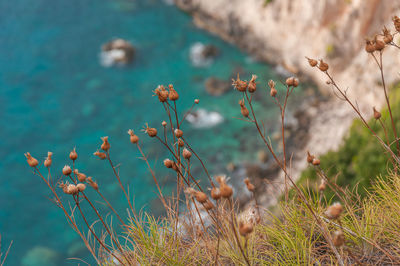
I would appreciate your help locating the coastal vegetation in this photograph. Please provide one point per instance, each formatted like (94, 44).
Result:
(203, 223)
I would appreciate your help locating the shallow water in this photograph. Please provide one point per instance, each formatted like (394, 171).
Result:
(54, 95)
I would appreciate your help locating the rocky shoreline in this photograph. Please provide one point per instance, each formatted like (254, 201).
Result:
(284, 32)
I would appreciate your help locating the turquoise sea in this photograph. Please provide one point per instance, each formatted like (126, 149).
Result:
(54, 95)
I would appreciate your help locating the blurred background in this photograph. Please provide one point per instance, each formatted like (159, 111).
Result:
(62, 86)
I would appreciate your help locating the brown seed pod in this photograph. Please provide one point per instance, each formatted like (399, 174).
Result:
(369, 46)
(168, 163)
(208, 205)
(31, 161)
(73, 155)
(200, 196)
(310, 157)
(338, 238)
(379, 45)
(252, 84)
(316, 161)
(133, 137)
(92, 183)
(81, 176)
(81, 187)
(105, 146)
(72, 189)
(48, 161)
(334, 211)
(312, 62)
(178, 133)
(290, 81)
(151, 131)
(181, 143)
(245, 228)
(226, 191)
(322, 186)
(173, 94)
(245, 112)
(215, 193)
(162, 93)
(387, 36)
(239, 84)
(186, 154)
(164, 124)
(101, 155)
(377, 115)
(67, 170)
(273, 92)
(396, 22)
(323, 66)
(249, 185)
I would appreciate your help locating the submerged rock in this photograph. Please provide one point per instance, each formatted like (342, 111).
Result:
(41, 256)
(117, 52)
(202, 55)
(216, 87)
(204, 119)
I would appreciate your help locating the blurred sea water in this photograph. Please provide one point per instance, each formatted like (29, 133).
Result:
(55, 95)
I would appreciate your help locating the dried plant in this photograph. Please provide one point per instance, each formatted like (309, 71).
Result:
(205, 225)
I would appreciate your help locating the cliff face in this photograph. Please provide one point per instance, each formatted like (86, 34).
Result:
(285, 31)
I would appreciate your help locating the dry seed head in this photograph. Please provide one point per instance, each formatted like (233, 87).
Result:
(92, 183)
(200, 196)
(292, 81)
(196, 101)
(81, 187)
(151, 131)
(377, 115)
(312, 62)
(186, 154)
(243, 109)
(72, 189)
(48, 160)
(105, 146)
(31, 161)
(310, 157)
(208, 205)
(239, 84)
(178, 133)
(323, 66)
(181, 143)
(226, 190)
(164, 124)
(173, 94)
(215, 193)
(252, 84)
(133, 137)
(387, 36)
(334, 211)
(245, 228)
(162, 93)
(168, 163)
(101, 155)
(81, 176)
(379, 44)
(322, 186)
(316, 161)
(338, 238)
(273, 92)
(73, 155)
(67, 170)
(249, 185)
(396, 22)
(369, 46)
